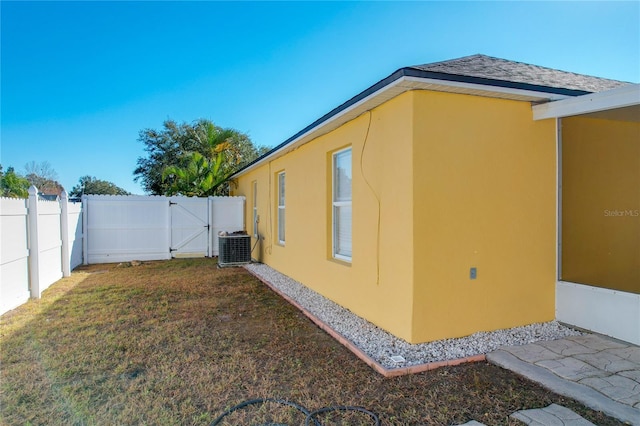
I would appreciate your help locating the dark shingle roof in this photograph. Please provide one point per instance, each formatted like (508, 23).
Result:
(490, 68)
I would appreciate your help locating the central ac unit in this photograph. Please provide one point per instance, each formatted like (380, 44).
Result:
(234, 250)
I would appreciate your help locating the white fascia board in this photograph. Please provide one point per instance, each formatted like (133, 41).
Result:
(619, 97)
(395, 88)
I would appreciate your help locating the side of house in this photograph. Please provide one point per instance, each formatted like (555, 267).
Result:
(484, 198)
(432, 197)
(446, 199)
(370, 269)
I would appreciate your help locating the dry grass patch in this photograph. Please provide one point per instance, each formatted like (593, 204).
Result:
(179, 342)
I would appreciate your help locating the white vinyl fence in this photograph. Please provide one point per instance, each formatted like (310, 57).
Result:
(40, 243)
(130, 227)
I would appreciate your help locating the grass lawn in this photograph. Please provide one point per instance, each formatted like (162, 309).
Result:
(178, 342)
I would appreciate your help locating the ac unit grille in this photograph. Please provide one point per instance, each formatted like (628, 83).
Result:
(234, 250)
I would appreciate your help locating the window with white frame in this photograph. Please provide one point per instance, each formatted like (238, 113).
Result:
(255, 209)
(341, 204)
(281, 216)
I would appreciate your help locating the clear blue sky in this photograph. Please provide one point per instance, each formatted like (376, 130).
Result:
(81, 79)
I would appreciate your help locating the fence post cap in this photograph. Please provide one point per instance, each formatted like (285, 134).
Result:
(33, 190)
(64, 195)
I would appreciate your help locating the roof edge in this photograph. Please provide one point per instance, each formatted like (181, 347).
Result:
(414, 72)
(410, 72)
(357, 98)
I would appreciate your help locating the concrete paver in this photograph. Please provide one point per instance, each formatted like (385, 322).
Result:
(566, 347)
(618, 388)
(602, 373)
(630, 354)
(607, 361)
(533, 352)
(632, 374)
(553, 415)
(599, 343)
(572, 368)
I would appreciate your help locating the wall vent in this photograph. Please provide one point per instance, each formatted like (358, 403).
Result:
(234, 250)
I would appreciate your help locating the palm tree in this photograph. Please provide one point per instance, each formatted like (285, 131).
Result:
(173, 145)
(200, 176)
(213, 139)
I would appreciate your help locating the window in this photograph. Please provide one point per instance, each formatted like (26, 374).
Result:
(255, 209)
(341, 204)
(281, 208)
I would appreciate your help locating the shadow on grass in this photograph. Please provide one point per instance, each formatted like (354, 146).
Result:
(179, 342)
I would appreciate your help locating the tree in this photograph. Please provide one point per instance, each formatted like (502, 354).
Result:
(44, 177)
(12, 184)
(43, 170)
(200, 176)
(91, 185)
(175, 145)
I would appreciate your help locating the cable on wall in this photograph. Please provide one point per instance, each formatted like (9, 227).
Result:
(269, 230)
(364, 144)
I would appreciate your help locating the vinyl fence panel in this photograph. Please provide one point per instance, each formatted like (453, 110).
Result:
(124, 228)
(42, 241)
(189, 226)
(49, 245)
(14, 254)
(75, 234)
(227, 214)
(131, 227)
(71, 228)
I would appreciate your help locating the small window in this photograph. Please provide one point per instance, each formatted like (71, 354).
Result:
(255, 209)
(281, 215)
(341, 204)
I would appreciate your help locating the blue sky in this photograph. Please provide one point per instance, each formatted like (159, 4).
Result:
(79, 80)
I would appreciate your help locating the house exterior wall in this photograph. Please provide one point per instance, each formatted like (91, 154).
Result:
(484, 187)
(378, 283)
(441, 183)
(601, 203)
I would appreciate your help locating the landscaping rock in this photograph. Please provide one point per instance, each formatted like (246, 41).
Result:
(385, 348)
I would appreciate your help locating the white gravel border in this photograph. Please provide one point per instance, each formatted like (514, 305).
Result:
(393, 352)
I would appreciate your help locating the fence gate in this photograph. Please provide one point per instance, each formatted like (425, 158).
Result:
(122, 228)
(189, 227)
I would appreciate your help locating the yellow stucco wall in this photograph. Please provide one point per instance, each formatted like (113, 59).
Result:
(601, 203)
(485, 197)
(378, 283)
(443, 183)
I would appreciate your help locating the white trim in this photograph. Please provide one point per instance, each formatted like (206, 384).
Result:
(395, 88)
(254, 188)
(334, 204)
(281, 207)
(610, 312)
(619, 97)
(559, 198)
